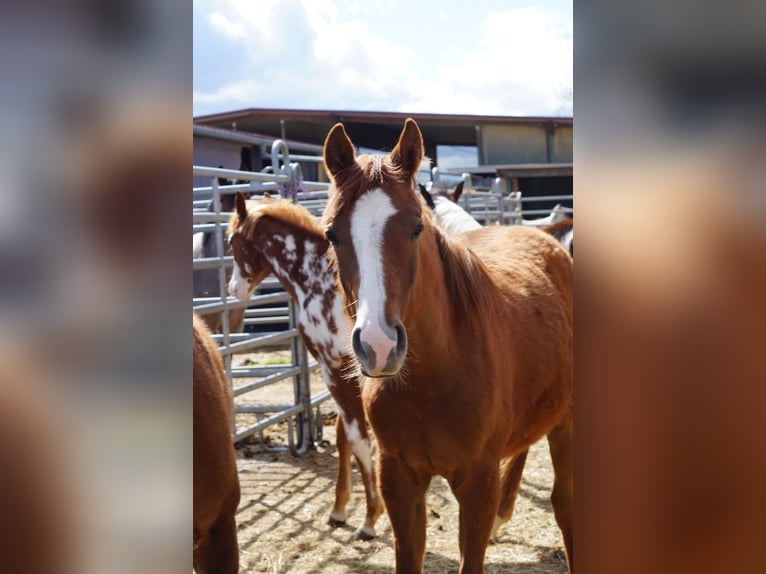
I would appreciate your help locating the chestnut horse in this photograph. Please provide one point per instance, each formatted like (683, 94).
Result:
(466, 342)
(449, 216)
(276, 235)
(216, 485)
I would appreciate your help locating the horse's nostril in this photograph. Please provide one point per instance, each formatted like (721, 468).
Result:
(356, 342)
(401, 339)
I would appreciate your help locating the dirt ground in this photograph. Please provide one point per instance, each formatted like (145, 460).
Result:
(286, 501)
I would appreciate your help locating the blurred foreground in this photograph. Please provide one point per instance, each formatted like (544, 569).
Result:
(670, 181)
(95, 394)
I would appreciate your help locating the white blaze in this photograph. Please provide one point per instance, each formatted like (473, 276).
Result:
(368, 221)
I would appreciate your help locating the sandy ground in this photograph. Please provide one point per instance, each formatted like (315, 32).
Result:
(286, 500)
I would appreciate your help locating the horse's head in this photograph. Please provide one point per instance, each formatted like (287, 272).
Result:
(250, 266)
(373, 221)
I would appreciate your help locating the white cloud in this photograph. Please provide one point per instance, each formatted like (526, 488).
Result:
(222, 25)
(306, 54)
(520, 64)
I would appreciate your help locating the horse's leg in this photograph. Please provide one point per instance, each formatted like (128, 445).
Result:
(212, 320)
(404, 493)
(478, 493)
(343, 482)
(346, 395)
(360, 445)
(236, 320)
(561, 444)
(510, 489)
(217, 551)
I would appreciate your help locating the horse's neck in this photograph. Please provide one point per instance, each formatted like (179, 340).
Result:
(297, 258)
(436, 300)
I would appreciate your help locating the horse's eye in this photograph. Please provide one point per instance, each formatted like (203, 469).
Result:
(418, 230)
(331, 237)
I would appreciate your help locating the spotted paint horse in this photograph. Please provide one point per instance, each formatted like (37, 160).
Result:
(276, 235)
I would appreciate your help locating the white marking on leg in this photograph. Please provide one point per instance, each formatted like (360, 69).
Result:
(368, 222)
(362, 449)
(359, 446)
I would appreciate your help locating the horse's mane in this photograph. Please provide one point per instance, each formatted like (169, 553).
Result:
(466, 278)
(277, 209)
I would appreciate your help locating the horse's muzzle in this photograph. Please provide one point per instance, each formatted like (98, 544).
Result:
(378, 356)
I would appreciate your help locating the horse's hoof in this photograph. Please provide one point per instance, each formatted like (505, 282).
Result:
(336, 522)
(364, 533)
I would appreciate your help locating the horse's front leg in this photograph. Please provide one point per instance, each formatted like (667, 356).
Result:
(403, 491)
(477, 491)
(343, 481)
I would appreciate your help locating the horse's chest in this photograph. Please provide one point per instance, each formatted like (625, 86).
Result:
(422, 428)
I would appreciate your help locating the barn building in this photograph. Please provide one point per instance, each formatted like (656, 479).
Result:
(532, 154)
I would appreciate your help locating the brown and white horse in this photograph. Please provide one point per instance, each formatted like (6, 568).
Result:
(216, 484)
(466, 342)
(276, 235)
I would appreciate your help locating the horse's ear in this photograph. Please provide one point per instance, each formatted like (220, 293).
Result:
(338, 150)
(408, 152)
(239, 203)
(458, 191)
(427, 196)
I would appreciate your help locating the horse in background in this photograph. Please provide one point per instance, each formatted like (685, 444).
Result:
(558, 213)
(452, 218)
(205, 281)
(563, 231)
(448, 215)
(466, 343)
(277, 236)
(216, 484)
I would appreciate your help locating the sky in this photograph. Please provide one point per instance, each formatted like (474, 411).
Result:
(483, 57)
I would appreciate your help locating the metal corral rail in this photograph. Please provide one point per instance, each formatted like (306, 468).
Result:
(271, 316)
(485, 199)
